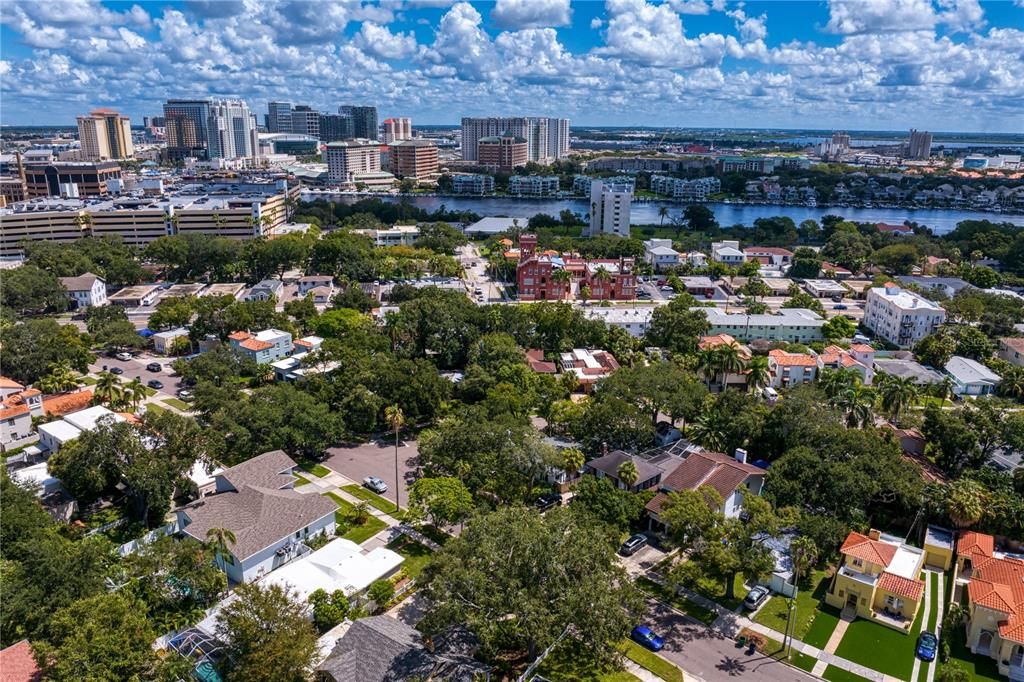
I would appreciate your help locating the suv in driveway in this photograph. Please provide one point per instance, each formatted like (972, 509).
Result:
(633, 545)
(547, 501)
(757, 595)
(375, 484)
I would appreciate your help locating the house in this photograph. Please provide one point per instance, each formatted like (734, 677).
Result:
(834, 271)
(589, 367)
(263, 347)
(136, 297)
(17, 409)
(54, 435)
(824, 288)
(789, 369)
(904, 369)
(897, 230)
(860, 358)
(267, 290)
(727, 252)
(18, 663)
(718, 340)
(660, 254)
(995, 601)
(730, 477)
(878, 579)
(86, 290)
(310, 282)
(535, 360)
(9, 387)
(970, 377)
(338, 565)
(386, 649)
(256, 501)
(164, 342)
(321, 295)
(699, 286)
(771, 256)
(932, 265)
(1011, 349)
(947, 286)
(607, 466)
(665, 433)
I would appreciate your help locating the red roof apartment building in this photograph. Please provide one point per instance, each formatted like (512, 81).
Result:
(606, 278)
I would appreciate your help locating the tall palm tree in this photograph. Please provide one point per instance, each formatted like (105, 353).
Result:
(804, 554)
(943, 390)
(897, 394)
(133, 394)
(395, 418)
(563, 277)
(708, 364)
(108, 389)
(758, 373)
(663, 213)
(220, 541)
(965, 502)
(856, 401)
(730, 361)
(1012, 384)
(834, 382)
(628, 474)
(602, 276)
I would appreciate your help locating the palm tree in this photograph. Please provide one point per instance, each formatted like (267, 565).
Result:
(584, 293)
(835, 382)
(943, 390)
(804, 554)
(1012, 384)
(108, 389)
(628, 473)
(133, 394)
(572, 460)
(758, 373)
(563, 277)
(730, 361)
(709, 431)
(707, 364)
(361, 512)
(856, 401)
(897, 394)
(395, 419)
(60, 379)
(966, 500)
(663, 213)
(602, 276)
(220, 541)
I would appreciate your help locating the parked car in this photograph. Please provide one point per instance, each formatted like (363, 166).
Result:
(125, 357)
(155, 383)
(185, 394)
(667, 288)
(547, 501)
(155, 367)
(927, 645)
(116, 370)
(643, 636)
(633, 544)
(837, 299)
(756, 597)
(839, 306)
(375, 484)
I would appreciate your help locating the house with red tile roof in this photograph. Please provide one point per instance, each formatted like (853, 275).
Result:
(790, 369)
(730, 477)
(878, 579)
(898, 230)
(17, 664)
(859, 358)
(995, 601)
(535, 360)
(16, 412)
(263, 347)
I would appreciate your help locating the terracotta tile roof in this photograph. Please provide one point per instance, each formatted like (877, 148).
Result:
(996, 583)
(774, 250)
(862, 348)
(30, 393)
(17, 664)
(832, 266)
(900, 586)
(991, 595)
(67, 403)
(1013, 343)
(721, 472)
(862, 547)
(13, 409)
(255, 345)
(9, 383)
(973, 544)
(536, 362)
(301, 342)
(885, 227)
(786, 359)
(238, 336)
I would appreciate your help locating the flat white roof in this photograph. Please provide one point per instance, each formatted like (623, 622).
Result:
(338, 565)
(60, 431)
(200, 476)
(87, 419)
(906, 300)
(37, 474)
(269, 335)
(171, 333)
(906, 562)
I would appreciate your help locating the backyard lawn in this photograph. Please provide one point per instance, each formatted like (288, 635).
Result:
(568, 663)
(809, 608)
(375, 500)
(416, 555)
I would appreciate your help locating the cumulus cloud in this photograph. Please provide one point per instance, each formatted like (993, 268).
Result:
(880, 16)
(531, 13)
(382, 43)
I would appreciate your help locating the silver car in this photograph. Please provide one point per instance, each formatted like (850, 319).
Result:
(375, 484)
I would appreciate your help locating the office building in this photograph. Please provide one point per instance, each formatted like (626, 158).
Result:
(836, 147)
(473, 183)
(502, 153)
(305, 121)
(364, 121)
(920, 145)
(609, 208)
(187, 128)
(396, 129)
(533, 185)
(900, 316)
(153, 122)
(346, 158)
(279, 117)
(70, 178)
(414, 159)
(232, 130)
(334, 127)
(105, 134)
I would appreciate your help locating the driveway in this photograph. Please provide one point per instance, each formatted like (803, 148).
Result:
(377, 458)
(642, 561)
(712, 656)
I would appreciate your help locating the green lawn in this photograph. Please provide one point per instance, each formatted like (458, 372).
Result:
(808, 600)
(180, 404)
(318, 470)
(881, 648)
(822, 626)
(714, 589)
(839, 675)
(802, 661)
(154, 408)
(651, 661)
(87, 380)
(150, 392)
(375, 500)
(979, 668)
(300, 481)
(664, 594)
(568, 663)
(349, 531)
(417, 556)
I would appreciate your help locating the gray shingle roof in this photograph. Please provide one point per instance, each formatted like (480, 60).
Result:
(83, 282)
(269, 470)
(609, 464)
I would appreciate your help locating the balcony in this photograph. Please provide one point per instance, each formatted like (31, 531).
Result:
(863, 578)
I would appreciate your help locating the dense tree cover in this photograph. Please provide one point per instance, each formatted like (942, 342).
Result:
(192, 256)
(353, 257)
(677, 327)
(32, 347)
(994, 314)
(517, 579)
(965, 438)
(806, 264)
(444, 500)
(109, 326)
(936, 349)
(29, 290)
(332, 214)
(610, 505)
(109, 257)
(440, 238)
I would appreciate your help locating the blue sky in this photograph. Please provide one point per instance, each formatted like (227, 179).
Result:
(853, 64)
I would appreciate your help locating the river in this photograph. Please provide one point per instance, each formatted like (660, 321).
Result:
(646, 212)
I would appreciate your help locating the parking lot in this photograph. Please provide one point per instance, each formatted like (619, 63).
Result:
(377, 458)
(136, 368)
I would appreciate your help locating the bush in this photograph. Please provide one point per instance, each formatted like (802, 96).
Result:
(328, 610)
(381, 592)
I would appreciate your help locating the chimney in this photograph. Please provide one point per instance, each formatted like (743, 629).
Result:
(875, 534)
(604, 448)
(741, 455)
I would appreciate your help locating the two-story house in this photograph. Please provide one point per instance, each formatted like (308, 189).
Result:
(1011, 349)
(267, 290)
(878, 579)
(860, 358)
(263, 347)
(790, 369)
(256, 501)
(727, 252)
(86, 290)
(310, 282)
(730, 477)
(17, 407)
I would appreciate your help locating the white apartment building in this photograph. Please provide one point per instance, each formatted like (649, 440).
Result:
(533, 185)
(232, 130)
(609, 208)
(899, 316)
(635, 320)
(687, 190)
(547, 138)
(399, 235)
(727, 252)
(472, 184)
(86, 290)
(793, 325)
(346, 158)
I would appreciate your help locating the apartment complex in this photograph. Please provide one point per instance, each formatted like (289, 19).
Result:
(472, 184)
(900, 316)
(232, 130)
(414, 159)
(396, 129)
(502, 153)
(686, 190)
(347, 158)
(609, 208)
(105, 134)
(793, 325)
(546, 139)
(919, 146)
(533, 185)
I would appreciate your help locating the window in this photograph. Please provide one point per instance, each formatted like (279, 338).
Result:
(857, 563)
(893, 602)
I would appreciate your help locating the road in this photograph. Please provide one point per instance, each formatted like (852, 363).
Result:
(476, 275)
(710, 655)
(377, 458)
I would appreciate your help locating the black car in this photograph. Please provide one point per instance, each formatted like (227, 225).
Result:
(154, 367)
(633, 545)
(547, 501)
(154, 383)
(116, 370)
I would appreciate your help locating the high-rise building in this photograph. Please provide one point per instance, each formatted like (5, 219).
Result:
(414, 159)
(502, 152)
(153, 122)
(187, 122)
(346, 158)
(396, 129)
(547, 138)
(232, 130)
(364, 120)
(558, 138)
(920, 145)
(279, 117)
(474, 129)
(609, 208)
(105, 134)
(305, 121)
(334, 127)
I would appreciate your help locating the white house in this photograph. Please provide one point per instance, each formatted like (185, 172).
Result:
(790, 369)
(263, 347)
(17, 408)
(338, 565)
(256, 501)
(660, 254)
(970, 377)
(310, 282)
(731, 477)
(267, 290)
(163, 342)
(899, 316)
(53, 435)
(824, 288)
(727, 252)
(86, 290)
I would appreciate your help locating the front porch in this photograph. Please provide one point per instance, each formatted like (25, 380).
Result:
(891, 619)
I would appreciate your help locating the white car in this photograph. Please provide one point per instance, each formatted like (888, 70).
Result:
(375, 484)
(124, 356)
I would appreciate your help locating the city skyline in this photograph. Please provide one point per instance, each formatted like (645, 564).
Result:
(879, 65)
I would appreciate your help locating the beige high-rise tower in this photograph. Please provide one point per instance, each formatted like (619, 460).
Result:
(105, 134)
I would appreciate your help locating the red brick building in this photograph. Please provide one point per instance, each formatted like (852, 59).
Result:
(536, 278)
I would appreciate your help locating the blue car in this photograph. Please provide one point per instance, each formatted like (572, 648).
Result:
(643, 636)
(927, 645)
